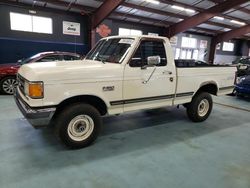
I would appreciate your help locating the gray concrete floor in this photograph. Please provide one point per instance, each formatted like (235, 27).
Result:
(156, 148)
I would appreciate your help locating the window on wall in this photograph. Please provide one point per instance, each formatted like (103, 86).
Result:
(29, 23)
(177, 53)
(188, 42)
(228, 46)
(124, 31)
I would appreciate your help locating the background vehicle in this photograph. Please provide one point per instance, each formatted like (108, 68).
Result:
(243, 66)
(243, 86)
(8, 71)
(120, 74)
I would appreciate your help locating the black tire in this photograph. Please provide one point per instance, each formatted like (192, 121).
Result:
(11, 80)
(199, 100)
(63, 125)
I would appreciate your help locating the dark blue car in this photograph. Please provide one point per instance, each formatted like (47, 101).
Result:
(243, 85)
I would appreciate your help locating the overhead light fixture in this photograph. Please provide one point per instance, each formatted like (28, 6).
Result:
(237, 22)
(177, 7)
(153, 2)
(218, 18)
(182, 9)
(227, 29)
(189, 10)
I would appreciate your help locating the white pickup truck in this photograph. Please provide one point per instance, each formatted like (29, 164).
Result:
(120, 74)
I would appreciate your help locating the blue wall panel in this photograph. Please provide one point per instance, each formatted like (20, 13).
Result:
(13, 49)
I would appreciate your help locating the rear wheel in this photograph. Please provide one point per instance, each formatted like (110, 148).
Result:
(78, 125)
(7, 85)
(200, 107)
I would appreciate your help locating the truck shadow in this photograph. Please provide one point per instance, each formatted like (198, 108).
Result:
(140, 131)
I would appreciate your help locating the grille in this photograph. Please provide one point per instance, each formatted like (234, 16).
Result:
(21, 81)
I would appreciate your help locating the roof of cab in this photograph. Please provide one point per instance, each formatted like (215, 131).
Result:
(135, 37)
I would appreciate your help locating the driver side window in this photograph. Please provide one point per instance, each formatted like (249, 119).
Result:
(148, 48)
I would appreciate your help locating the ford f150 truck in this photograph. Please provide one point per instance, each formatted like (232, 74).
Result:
(120, 74)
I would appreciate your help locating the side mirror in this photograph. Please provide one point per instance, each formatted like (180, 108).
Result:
(153, 60)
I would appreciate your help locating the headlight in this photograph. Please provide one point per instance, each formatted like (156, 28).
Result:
(34, 89)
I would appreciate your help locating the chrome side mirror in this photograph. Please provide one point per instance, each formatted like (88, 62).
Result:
(153, 60)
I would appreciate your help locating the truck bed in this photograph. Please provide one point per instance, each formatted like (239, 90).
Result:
(191, 78)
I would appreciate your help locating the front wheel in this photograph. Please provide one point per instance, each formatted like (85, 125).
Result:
(78, 125)
(200, 107)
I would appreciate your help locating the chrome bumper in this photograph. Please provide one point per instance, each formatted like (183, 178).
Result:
(37, 116)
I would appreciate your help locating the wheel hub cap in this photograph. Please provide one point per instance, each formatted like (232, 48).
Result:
(9, 85)
(80, 127)
(203, 107)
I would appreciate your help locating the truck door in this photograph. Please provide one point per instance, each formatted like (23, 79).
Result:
(149, 86)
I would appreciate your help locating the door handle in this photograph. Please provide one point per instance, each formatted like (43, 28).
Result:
(167, 72)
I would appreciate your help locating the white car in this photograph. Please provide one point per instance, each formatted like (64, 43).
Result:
(120, 74)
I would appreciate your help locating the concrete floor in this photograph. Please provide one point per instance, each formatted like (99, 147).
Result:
(148, 149)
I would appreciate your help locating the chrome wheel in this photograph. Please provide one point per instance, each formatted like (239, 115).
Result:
(80, 127)
(203, 108)
(9, 85)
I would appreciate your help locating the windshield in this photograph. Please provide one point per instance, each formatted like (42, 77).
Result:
(110, 50)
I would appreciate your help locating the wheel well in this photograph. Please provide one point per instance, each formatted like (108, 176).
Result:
(209, 88)
(7, 76)
(98, 103)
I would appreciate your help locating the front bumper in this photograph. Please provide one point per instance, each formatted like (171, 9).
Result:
(37, 116)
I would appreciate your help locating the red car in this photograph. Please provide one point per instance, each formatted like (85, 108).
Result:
(8, 71)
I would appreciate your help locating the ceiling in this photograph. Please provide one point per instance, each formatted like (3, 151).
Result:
(158, 12)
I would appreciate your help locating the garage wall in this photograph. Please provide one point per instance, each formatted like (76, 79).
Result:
(18, 44)
(241, 49)
(114, 26)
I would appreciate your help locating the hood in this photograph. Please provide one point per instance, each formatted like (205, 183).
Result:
(67, 71)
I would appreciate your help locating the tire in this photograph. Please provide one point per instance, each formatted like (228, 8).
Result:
(78, 125)
(7, 85)
(200, 107)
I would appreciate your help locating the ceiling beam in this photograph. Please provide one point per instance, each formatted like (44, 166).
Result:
(154, 21)
(142, 18)
(232, 34)
(66, 4)
(242, 9)
(225, 37)
(164, 13)
(104, 11)
(202, 17)
(171, 2)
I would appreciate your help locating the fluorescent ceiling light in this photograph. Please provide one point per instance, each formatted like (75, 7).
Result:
(218, 18)
(177, 7)
(237, 22)
(182, 9)
(227, 29)
(153, 1)
(189, 10)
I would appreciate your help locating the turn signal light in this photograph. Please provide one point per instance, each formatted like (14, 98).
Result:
(36, 90)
